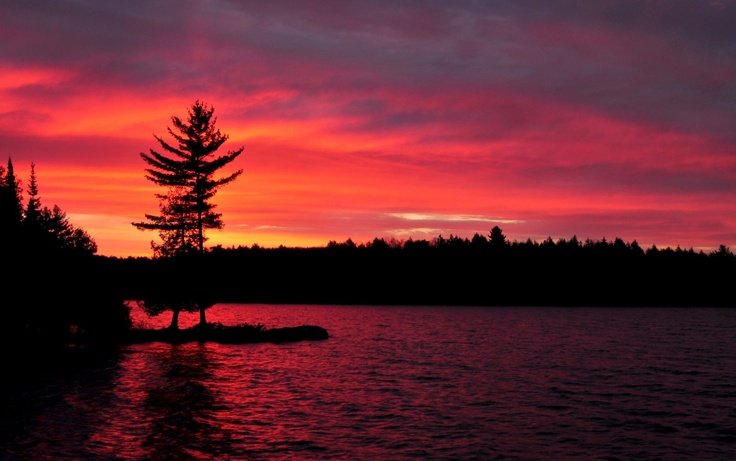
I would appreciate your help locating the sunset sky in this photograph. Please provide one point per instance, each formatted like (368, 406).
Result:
(393, 119)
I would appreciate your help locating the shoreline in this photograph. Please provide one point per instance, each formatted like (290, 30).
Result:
(239, 334)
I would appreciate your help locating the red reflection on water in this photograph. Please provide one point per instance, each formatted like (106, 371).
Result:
(170, 404)
(411, 383)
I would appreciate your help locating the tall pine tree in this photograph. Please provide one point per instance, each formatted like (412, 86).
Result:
(187, 170)
(32, 222)
(11, 207)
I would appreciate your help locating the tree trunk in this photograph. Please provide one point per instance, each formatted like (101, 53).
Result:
(202, 318)
(174, 320)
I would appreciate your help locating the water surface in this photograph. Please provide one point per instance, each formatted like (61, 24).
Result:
(396, 382)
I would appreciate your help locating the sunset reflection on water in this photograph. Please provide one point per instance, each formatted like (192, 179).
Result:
(406, 383)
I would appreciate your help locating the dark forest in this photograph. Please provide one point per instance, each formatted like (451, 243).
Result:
(448, 271)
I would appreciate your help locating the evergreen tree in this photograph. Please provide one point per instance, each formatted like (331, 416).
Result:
(176, 227)
(188, 170)
(44, 253)
(48, 229)
(11, 207)
(32, 230)
(61, 235)
(496, 237)
(33, 209)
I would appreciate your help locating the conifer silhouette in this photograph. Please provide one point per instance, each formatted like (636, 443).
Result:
(187, 171)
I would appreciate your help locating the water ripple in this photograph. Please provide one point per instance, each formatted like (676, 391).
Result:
(465, 384)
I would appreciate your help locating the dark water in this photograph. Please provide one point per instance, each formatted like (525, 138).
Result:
(394, 383)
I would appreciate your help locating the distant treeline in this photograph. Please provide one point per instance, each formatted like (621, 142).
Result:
(484, 270)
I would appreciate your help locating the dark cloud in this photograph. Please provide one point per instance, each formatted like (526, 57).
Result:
(17, 121)
(667, 62)
(611, 178)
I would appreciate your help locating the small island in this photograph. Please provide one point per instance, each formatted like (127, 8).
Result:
(237, 334)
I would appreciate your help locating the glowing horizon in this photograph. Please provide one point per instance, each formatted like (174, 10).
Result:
(385, 119)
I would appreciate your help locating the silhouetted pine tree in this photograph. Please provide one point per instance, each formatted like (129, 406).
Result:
(11, 207)
(496, 237)
(32, 219)
(64, 236)
(187, 171)
(177, 227)
(50, 253)
(48, 229)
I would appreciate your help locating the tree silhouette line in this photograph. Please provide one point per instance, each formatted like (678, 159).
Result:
(54, 293)
(36, 228)
(485, 270)
(68, 292)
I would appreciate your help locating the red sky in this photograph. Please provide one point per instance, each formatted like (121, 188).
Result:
(392, 119)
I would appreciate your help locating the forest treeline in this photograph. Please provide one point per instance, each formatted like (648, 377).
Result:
(485, 271)
(52, 292)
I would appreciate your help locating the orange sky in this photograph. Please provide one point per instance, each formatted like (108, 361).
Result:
(386, 119)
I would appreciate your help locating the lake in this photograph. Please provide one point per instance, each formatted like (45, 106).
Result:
(401, 383)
